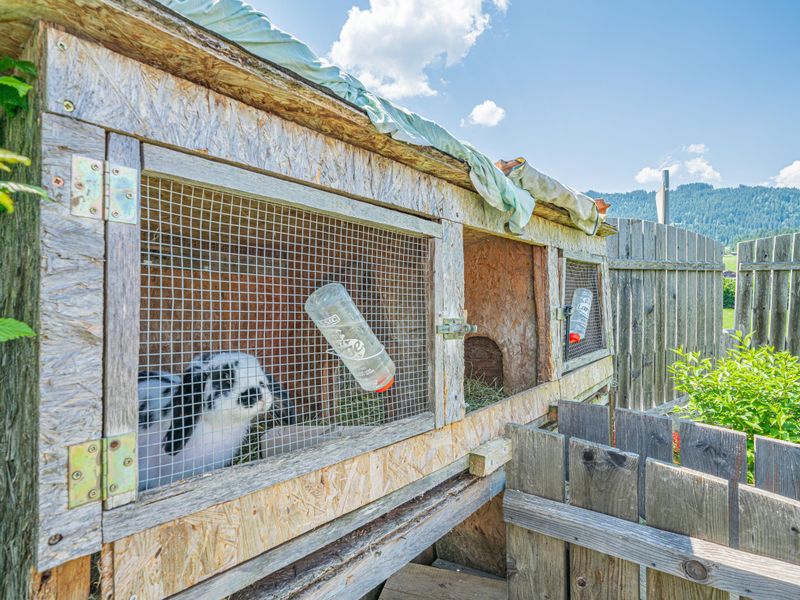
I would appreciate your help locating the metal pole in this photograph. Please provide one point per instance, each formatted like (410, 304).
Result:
(662, 198)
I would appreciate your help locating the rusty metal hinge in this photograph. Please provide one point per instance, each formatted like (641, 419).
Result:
(99, 469)
(101, 190)
(455, 329)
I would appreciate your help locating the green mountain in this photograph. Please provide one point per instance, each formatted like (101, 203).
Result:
(726, 214)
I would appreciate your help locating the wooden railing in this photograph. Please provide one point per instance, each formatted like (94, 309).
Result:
(585, 519)
(666, 291)
(768, 291)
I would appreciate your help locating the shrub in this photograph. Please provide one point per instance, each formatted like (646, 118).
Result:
(728, 292)
(753, 390)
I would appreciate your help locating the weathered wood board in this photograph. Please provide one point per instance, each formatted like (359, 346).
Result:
(419, 582)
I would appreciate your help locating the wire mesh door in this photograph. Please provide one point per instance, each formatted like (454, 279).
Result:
(231, 367)
(585, 276)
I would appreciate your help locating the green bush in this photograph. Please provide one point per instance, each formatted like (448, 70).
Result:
(728, 293)
(753, 390)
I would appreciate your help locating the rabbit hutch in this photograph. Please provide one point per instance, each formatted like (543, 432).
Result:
(180, 426)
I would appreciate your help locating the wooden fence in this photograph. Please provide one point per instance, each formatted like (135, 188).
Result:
(666, 291)
(768, 291)
(706, 533)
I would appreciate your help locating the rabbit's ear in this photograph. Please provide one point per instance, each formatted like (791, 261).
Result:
(187, 406)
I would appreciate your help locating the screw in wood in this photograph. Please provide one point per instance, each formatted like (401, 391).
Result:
(115, 443)
(93, 210)
(61, 45)
(54, 539)
(115, 171)
(58, 181)
(95, 167)
(92, 494)
(76, 475)
(581, 582)
(113, 487)
(127, 462)
(93, 447)
(68, 105)
(115, 213)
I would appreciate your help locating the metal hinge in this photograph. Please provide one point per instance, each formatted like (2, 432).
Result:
(100, 190)
(454, 329)
(100, 469)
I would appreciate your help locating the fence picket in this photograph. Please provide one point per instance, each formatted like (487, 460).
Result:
(688, 503)
(714, 450)
(604, 480)
(648, 316)
(660, 325)
(671, 313)
(793, 329)
(743, 313)
(761, 299)
(586, 421)
(778, 467)
(691, 293)
(623, 317)
(637, 317)
(782, 252)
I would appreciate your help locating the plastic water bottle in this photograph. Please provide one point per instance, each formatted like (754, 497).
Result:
(337, 317)
(579, 320)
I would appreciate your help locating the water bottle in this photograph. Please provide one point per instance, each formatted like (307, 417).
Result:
(337, 317)
(581, 307)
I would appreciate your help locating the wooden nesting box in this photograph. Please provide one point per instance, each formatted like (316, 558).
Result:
(234, 190)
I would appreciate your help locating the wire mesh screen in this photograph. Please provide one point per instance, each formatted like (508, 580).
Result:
(584, 276)
(232, 369)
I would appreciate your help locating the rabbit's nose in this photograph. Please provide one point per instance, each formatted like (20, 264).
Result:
(251, 396)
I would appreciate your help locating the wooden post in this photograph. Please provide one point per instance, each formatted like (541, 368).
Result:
(662, 198)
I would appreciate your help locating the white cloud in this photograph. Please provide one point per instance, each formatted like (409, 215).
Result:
(487, 113)
(697, 148)
(390, 44)
(650, 175)
(788, 176)
(700, 169)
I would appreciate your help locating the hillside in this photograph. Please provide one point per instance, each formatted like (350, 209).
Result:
(727, 214)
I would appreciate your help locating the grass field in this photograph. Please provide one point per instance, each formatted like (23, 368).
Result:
(730, 262)
(727, 318)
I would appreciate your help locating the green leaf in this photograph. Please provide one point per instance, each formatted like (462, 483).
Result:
(16, 84)
(15, 187)
(11, 329)
(7, 156)
(7, 63)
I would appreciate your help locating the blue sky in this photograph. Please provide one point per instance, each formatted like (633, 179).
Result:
(592, 92)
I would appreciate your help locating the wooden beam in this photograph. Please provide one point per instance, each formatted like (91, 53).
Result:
(421, 582)
(726, 569)
(69, 581)
(369, 556)
(489, 457)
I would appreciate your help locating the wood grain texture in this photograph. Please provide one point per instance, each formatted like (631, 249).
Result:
(448, 292)
(222, 536)
(372, 554)
(778, 467)
(649, 336)
(691, 504)
(263, 565)
(69, 581)
(546, 293)
(793, 330)
(604, 480)
(585, 421)
(499, 299)
(122, 295)
(769, 525)
(538, 566)
(20, 288)
(420, 582)
(727, 569)
(761, 292)
(714, 450)
(647, 436)
(304, 152)
(71, 347)
(489, 457)
(744, 287)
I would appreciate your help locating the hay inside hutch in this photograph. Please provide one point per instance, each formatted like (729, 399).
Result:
(252, 189)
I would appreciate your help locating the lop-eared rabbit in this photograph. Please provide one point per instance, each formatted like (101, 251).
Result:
(203, 424)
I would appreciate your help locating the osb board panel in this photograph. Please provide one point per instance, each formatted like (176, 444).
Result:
(479, 542)
(122, 94)
(499, 299)
(70, 581)
(179, 554)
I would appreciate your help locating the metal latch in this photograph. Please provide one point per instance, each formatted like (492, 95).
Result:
(100, 190)
(99, 469)
(453, 329)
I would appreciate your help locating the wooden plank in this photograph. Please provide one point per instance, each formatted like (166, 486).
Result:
(622, 264)
(198, 493)
(269, 562)
(423, 582)
(761, 293)
(607, 297)
(603, 480)
(637, 319)
(687, 503)
(196, 169)
(452, 566)
(768, 524)
(660, 346)
(448, 277)
(369, 556)
(671, 310)
(719, 335)
(545, 276)
(691, 308)
(705, 308)
(648, 436)
(793, 329)
(774, 265)
(778, 467)
(585, 421)
(681, 339)
(577, 363)
(537, 564)
(667, 552)
(622, 316)
(489, 457)
(71, 342)
(648, 317)
(69, 581)
(122, 292)
(779, 306)
(744, 287)
(219, 537)
(714, 450)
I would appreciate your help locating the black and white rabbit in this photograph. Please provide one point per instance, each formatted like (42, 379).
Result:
(155, 390)
(206, 420)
